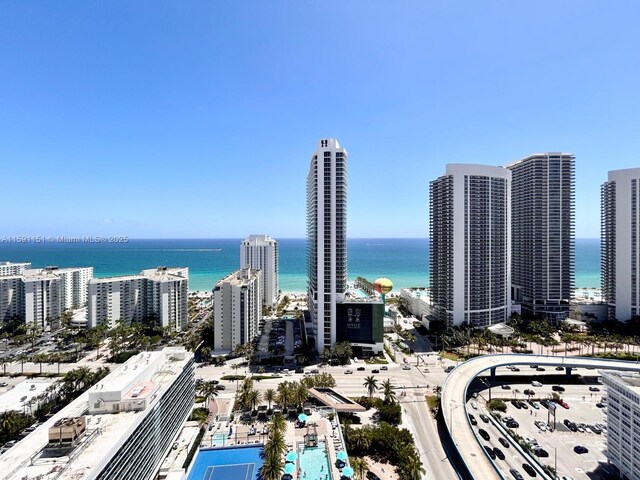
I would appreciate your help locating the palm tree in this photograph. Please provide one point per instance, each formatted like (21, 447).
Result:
(272, 467)
(412, 468)
(276, 445)
(253, 398)
(371, 385)
(278, 423)
(206, 390)
(360, 466)
(269, 395)
(284, 394)
(300, 394)
(388, 391)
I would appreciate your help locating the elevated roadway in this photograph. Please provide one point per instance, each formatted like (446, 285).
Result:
(477, 463)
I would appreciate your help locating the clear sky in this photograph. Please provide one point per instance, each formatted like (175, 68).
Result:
(198, 119)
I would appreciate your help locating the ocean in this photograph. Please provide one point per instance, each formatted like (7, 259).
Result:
(404, 261)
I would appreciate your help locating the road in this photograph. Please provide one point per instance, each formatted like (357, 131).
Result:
(454, 397)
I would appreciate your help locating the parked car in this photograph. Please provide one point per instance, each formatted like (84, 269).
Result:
(484, 418)
(361, 369)
(484, 434)
(563, 404)
(503, 442)
(512, 424)
(474, 405)
(580, 449)
(600, 405)
(516, 404)
(535, 405)
(534, 366)
(472, 419)
(516, 474)
(372, 476)
(540, 452)
(529, 469)
(523, 404)
(541, 425)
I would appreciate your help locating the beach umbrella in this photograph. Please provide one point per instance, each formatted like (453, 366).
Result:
(289, 468)
(347, 472)
(341, 455)
(302, 417)
(291, 456)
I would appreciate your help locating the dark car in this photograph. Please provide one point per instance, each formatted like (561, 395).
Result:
(600, 405)
(557, 388)
(299, 370)
(484, 434)
(512, 424)
(580, 449)
(375, 370)
(490, 452)
(559, 368)
(516, 404)
(529, 469)
(523, 405)
(534, 366)
(473, 420)
(541, 452)
(484, 418)
(498, 453)
(515, 369)
(540, 369)
(516, 474)
(594, 389)
(503, 442)
(505, 387)
(372, 476)
(361, 369)
(220, 387)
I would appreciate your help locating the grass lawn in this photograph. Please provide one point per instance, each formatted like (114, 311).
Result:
(376, 361)
(450, 356)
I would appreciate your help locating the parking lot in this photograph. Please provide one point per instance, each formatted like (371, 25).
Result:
(556, 442)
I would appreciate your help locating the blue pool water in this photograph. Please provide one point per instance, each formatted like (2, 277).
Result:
(314, 462)
(227, 463)
(220, 440)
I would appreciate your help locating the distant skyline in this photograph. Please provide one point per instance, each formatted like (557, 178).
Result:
(197, 119)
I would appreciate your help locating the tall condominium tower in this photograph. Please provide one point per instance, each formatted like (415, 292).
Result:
(237, 309)
(10, 268)
(326, 238)
(470, 245)
(620, 243)
(261, 252)
(542, 234)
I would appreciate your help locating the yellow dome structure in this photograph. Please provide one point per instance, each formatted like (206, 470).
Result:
(383, 285)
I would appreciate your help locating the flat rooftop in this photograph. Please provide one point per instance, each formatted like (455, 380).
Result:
(628, 379)
(105, 432)
(22, 393)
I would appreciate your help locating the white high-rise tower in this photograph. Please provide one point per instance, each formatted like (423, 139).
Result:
(470, 245)
(326, 238)
(260, 252)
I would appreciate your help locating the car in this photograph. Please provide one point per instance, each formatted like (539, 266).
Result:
(540, 369)
(484, 418)
(516, 474)
(449, 368)
(557, 388)
(580, 449)
(375, 370)
(299, 370)
(531, 441)
(348, 371)
(503, 442)
(570, 425)
(523, 404)
(10, 443)
(361, 369)
(535, 405)
(475, 395)
(484, 434)
(563, 404)
(498, 453)
(4, 384)
(536, 383)
(219, 387)
(534, 366)
(529, 469)
(540, 452)
(384, 367)
(587, 429)
(505, 387)
(512, 424)
(515, 369)
(490, 452)
(566, 478)
(580, 428)
(595, 429)
(472, 419)
(594, 389)
(215, 382)
(506, 419)
(541, 425)
(559, 368)
(600, 405)
(406, 367)
(516, 404)
(252, 431)
(372, 476)
(474, 405)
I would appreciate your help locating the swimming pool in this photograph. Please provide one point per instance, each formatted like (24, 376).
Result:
(314, 461)
(227, 463)
(219, 440)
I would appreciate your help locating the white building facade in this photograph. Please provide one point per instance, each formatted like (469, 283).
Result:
(261, 252)
(10, 268)
(42, 298)
(74, 284)
(237, 309)
(623, 421)
(160, 293)
(470, 245)
(620, 243)
(543, 234)
(11, 298)
(326, 238)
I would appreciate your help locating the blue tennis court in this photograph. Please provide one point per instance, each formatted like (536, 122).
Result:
(241, 462)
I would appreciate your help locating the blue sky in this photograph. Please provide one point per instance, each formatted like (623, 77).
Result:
(198, 119)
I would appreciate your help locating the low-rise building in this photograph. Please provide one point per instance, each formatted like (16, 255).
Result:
(418, 302)
(121, 429)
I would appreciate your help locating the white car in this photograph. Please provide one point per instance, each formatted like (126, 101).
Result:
(348, 371)
(406, 367)
(536, 383)
(531, 441)
(474, 405)
(541, 425)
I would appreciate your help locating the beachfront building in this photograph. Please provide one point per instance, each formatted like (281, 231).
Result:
(237, 309)
(120, 429)
(11, 298)
(42, 297)
(159, 294)
(10, 268)
(73, 285)
(326, 238)
(542, 234)
(470, 246)
(260, 252)
(620, 243)
(623, 421)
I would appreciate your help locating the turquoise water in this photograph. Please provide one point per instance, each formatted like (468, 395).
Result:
(404, 261)
(314, 462)
(219, 440)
